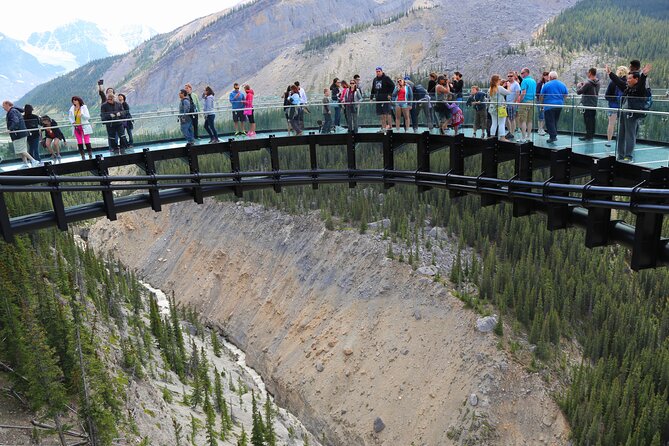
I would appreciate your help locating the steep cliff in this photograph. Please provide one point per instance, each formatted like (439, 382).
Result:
(347, 339)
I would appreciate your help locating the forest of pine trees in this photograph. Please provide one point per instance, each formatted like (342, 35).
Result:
(548, 282)
(60, 309)
(618, 29)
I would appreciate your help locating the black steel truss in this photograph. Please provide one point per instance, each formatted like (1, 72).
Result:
(612, 185)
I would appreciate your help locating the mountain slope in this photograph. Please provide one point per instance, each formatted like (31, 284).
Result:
(20, 70)
(263, 43)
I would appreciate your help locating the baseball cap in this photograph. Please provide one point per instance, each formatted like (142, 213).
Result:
(379, 69)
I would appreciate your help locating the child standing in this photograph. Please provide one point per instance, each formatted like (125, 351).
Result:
(327, 114)
(477, 99)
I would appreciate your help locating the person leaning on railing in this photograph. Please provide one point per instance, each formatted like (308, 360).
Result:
(634, 98)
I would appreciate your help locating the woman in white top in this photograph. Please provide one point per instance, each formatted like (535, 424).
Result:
(497, 107)
(81, 127)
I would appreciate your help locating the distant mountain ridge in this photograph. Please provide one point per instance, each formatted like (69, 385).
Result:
(264, 43)
(45, 55)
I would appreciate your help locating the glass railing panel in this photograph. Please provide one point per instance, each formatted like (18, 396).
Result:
(162, 125)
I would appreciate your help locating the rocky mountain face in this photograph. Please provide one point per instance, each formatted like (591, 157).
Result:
(360, 347)
(263, 43)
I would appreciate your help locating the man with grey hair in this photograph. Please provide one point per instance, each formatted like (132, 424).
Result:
(553, 94)
(18, 133)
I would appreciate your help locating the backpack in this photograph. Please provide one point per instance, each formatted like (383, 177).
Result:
(419, 92)
(192, 105)
(648, 102)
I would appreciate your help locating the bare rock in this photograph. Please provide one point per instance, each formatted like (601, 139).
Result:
(486, 324)
(319, 366)
(379, 425)
(473, 399)
(430, 270)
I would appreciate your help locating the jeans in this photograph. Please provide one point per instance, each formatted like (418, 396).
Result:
(327, 123)
(194, 119)
(627, 129)
(209, 126)
(33, 147)
(115, 134)
(187, 130)
(352, 119)
(589, 118)
(337, 115)
(551, 117)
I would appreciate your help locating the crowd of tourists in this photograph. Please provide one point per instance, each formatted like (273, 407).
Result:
(504, 109)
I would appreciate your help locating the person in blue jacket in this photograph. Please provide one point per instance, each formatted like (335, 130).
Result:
(403, 99)
(237, 98)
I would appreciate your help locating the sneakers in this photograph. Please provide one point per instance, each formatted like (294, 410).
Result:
(627, 159)
(251, 134)
(607, 144)
(541, 132)
(551, 140)
(238, 133)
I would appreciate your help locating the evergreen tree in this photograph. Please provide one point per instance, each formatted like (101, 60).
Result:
(257, 432)
(216, 344)
(210, 423)
(269, 434)
(243, 440)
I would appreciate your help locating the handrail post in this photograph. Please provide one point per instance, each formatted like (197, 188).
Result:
(558, 214)
(388, 159)
(274, 160)
(107, 195)
(150, 169)
(313, 161)
(235, 166)
(457, 162)
(56, 199)
(598, 224)
(350, 156)
(5, 223)
(489, 169)
(648, 228)
(194, 167)
(423, 157)
(523, 169)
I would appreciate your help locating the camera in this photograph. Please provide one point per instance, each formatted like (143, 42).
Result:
(100, 82)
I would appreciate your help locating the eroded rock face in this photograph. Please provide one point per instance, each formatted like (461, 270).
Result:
(332, 327)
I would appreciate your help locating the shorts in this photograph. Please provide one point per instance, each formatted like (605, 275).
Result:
(402, 104)
(20, 146)
(383, 108)
(611, 112)
(238, 116)
(525, 112)
(512, 111)
(541, 114)
(250, 117)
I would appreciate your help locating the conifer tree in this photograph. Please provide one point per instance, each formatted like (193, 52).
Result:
(257, 432)
(270, 435)
(210, 423)
(219, 400)
(216, 344)
(178, 429)
(243, 440)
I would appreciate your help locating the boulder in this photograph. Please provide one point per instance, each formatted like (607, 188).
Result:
(486, 324)
(430, 270)
(473, 399)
